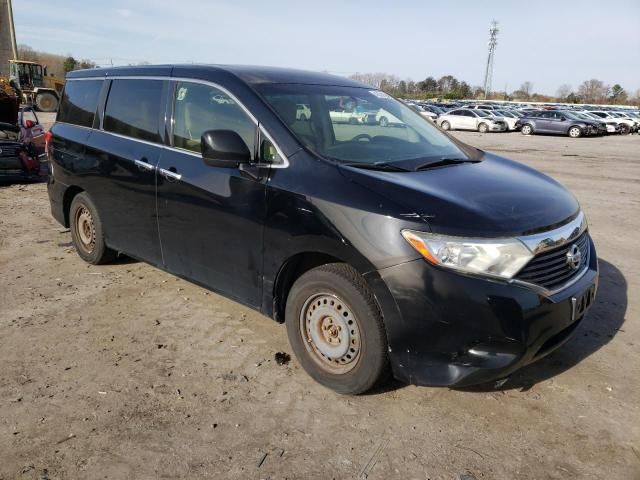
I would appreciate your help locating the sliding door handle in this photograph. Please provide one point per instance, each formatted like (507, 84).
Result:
(169, 175)
(143, 165)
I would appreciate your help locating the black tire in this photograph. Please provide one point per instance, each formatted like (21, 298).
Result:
(87, 232)
(624, 129)
(365, 336)
(526, 129)
(383, 122)
(303, 117)
(445, 125)
(483, 128)
(46, 102)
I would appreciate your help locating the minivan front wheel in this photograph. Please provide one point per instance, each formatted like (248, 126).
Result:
(335, 329)
(87, 233)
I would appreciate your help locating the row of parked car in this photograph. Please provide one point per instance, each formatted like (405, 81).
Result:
(574, 122)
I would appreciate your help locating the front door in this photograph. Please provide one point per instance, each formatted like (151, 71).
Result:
(210, 218)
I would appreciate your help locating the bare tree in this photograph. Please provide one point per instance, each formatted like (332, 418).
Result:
(526, 88)
(25, 52)
(563, 92)
(377, 80)
(593, 91)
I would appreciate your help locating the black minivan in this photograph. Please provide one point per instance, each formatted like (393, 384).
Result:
(384, 248)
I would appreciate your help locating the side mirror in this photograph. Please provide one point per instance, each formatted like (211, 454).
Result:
(224, 148)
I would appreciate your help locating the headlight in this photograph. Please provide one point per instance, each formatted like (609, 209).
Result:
(501, 258)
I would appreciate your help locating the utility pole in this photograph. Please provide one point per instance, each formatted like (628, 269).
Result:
(8, 47)
(488, 73)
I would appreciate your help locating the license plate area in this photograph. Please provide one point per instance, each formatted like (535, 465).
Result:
(581, 303)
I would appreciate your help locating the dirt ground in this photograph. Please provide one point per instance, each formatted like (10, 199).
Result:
(125, 372)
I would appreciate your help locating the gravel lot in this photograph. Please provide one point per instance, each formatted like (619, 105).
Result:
(123, 371)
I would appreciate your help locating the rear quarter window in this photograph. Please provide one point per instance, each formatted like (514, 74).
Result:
(133, 108)
(79, 102)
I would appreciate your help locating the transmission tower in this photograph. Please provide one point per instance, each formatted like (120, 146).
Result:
(493, 41)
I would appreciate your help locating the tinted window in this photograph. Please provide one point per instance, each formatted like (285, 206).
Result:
(79, 102)
(133, 108)
(198, 108)
(468, 113)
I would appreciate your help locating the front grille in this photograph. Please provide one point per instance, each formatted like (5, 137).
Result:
(9, 151)
(551, 270)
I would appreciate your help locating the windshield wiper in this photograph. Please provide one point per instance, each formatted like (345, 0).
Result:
(443, 162)
(383, 166)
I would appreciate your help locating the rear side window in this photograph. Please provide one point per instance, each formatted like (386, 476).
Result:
(79, 102)
(133, 109)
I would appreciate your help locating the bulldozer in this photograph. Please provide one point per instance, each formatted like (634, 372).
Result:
(31, 81)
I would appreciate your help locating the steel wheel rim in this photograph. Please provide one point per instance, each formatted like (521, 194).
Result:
(85, 229)
(330, 333)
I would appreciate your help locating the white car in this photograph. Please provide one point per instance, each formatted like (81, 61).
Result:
(385, 119)
(504, 115)
(424, 113)
(468, 119)
(626, 125)
(344, 116)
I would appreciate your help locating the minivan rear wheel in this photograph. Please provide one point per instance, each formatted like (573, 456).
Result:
(87, 233)
(336, 330)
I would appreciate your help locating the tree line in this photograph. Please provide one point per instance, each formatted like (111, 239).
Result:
(446, 87)
(58, 65)
(449, 87)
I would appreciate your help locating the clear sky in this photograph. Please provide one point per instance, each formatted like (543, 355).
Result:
(548, 43)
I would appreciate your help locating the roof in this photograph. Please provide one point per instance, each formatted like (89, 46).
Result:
(252, 75)
(25, 61)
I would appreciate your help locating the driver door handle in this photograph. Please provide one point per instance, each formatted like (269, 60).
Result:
(169, 174)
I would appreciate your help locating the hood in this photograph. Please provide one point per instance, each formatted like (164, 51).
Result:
(492, 198)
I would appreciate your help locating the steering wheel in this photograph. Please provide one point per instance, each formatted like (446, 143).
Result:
(362, 136)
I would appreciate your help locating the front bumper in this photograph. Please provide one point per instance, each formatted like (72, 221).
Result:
(448, 329)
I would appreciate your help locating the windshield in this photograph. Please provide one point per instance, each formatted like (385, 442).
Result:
(482, 113)
(357, 125)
